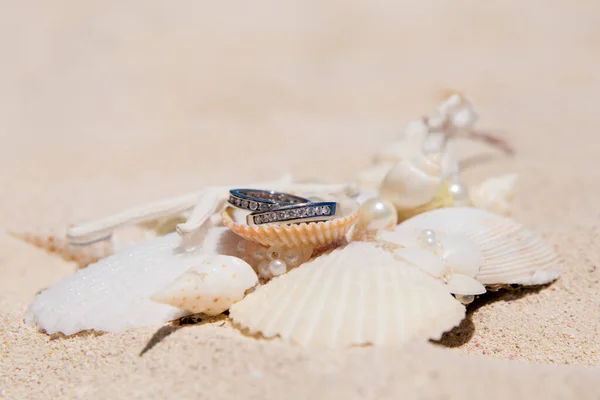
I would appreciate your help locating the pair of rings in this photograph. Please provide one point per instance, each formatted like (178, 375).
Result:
(268, 206)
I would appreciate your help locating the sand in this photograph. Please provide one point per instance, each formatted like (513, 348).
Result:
(107, 104)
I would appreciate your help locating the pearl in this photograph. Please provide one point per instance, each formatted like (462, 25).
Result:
(459, 193)
(465, 298)
(428, 233)
(277, 267)
(429, 240)
(377, 214)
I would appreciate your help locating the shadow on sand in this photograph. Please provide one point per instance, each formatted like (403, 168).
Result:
(174, 326)
(463, 333)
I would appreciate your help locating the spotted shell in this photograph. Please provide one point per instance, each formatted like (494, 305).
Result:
(355, 296)
(506, 252)
(316, 234)
(210, 287)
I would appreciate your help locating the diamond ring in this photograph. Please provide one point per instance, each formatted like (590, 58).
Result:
(295, 214)
(262, 200)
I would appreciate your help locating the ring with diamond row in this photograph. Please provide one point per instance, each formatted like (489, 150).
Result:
(295, 214)
(262, 200)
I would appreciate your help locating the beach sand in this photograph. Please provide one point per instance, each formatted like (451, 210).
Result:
(108, 104)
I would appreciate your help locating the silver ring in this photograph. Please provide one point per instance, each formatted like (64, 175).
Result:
(262, 200)
(295, 214)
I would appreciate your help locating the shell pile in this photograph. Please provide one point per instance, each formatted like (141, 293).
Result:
(401, 255)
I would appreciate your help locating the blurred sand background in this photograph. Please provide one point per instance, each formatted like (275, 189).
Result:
(107, 104)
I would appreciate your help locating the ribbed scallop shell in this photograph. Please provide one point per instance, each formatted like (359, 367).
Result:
(511, 253)
(314, 234)
(355, 296)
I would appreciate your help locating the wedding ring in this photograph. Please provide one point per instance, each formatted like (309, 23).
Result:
(295, 214)
(262, 200)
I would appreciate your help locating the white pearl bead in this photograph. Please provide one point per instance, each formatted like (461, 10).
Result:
(377, 214)
(459, 193)
(277, 267)
(428, 233)
(429, 240)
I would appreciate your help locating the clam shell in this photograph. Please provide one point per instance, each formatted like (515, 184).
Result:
(355, 296)
(511, 253)
(210, 287)
(316, 234)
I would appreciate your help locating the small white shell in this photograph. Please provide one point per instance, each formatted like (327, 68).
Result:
(210, 287)
(495, 194)
(412, 183)
(463, 285)
(355, 296)
(511, 253)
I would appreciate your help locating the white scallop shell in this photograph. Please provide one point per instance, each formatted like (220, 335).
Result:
(511, 254)
(114, 294)
(355, 296)
(210, 287)
(495, 194)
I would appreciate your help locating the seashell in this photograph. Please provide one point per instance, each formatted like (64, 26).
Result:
(355, 296)
(495, 194)
(463, 285)
(316, 234)
(210, 287)
(57, 244)
(412, 183)
(508, 253)
(114, 294)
